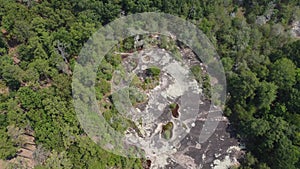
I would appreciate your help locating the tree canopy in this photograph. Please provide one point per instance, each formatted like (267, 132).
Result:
(40, 41)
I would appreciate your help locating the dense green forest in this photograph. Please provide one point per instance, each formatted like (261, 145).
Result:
(40, 40)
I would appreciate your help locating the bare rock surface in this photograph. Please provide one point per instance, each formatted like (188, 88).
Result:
(184, 149)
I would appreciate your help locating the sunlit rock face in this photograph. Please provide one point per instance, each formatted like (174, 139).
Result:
(169, 122)
(296, 29)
